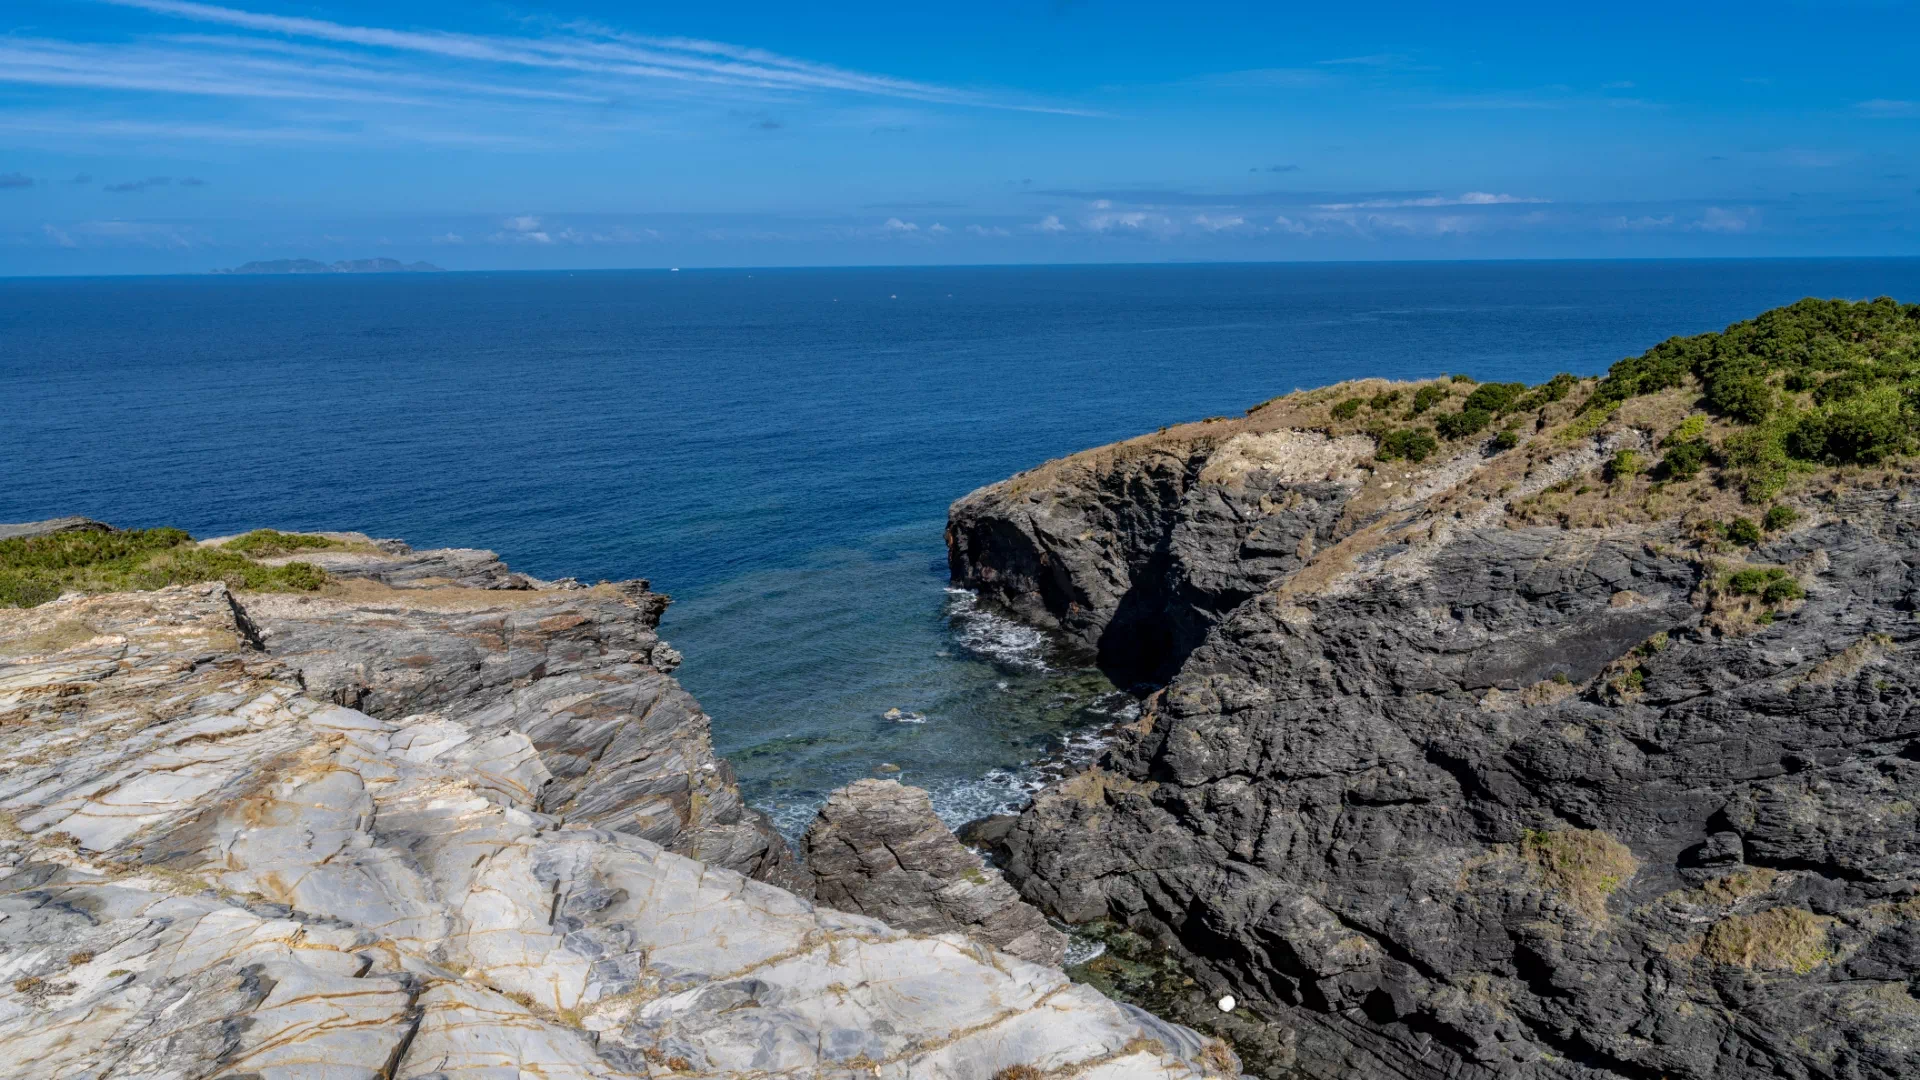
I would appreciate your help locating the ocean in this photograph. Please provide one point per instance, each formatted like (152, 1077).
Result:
(774, 448)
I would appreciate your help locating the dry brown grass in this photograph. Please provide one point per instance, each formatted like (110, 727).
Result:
(1737, 887)
(1019, 1072)
(1584, 865)
(1778, 939)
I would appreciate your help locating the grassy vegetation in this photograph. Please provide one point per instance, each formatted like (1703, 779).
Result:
(266, 543)
(1584, 865)
(1779, 939)
(38, 569)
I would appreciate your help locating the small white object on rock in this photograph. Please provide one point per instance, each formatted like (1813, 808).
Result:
(1227, 1003)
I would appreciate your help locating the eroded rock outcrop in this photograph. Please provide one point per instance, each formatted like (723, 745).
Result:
(1443, 790)
(878, 849)
(208, 869)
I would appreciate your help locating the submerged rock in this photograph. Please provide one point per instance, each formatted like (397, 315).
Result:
(215, 862)
(877, 848)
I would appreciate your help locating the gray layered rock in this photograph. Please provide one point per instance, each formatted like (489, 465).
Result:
(582, 672)
(210, 870)
(877, 849)
(1452, 796)
(26, 530)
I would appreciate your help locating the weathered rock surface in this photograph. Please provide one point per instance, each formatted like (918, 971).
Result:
(582, 672)
(27, 529)
(1441, 796)
(209, 870)
(878, 849)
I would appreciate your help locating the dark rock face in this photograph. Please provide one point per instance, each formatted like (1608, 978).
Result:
(1138, 552)
(876, 849)
(580, 671)
(1474, 801)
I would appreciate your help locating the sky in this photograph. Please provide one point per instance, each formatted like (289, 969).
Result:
(168, 136)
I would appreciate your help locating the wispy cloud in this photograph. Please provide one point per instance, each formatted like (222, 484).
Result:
(1371, 60)
(590, 49)
(1471, 198)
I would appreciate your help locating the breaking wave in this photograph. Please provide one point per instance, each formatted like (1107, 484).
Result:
(995, 637)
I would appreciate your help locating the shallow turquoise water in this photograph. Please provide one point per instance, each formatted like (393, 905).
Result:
(774, 448)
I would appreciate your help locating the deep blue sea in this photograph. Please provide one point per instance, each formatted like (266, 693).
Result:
(776, 449)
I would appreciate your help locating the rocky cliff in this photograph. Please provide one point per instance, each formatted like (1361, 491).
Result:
(415, 816)
(1492, 751)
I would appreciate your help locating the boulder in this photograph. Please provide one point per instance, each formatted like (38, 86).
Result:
(878, 849)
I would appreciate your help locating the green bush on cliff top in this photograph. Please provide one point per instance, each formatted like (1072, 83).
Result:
(1819, 381)
(34, 570)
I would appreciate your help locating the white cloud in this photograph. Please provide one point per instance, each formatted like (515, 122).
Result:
(939, 229)
(449, 238)
(524, 229)
(1718, 219)
(1049, 224)
(1220, 224)
(988, 230)
(1471, 198)
(895, 225)
(1129, 219)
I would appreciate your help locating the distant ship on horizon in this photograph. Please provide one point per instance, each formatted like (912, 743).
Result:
(344, 266)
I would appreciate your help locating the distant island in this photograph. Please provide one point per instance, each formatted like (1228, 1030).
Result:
(344, 266)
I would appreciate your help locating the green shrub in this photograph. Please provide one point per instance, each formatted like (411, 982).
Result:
(1838, 349)
(1864, 428)
(1742, 395)
(1781, 590)
(1348, 409)
(1771, 584)
(1683, 461)
(1461, 378)
(1413, 444)
(1762, 457)
(1385, 399)
(1743, 531)
(1554, 389)
(1779, 516)
(1504, 440)
(1623, 465)
(266, 543)
(1427, 397)
(1462, 424)
(1496, 398)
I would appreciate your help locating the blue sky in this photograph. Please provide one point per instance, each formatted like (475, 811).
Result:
(168, 136)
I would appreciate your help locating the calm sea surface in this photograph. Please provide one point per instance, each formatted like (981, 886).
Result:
(776, 449)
